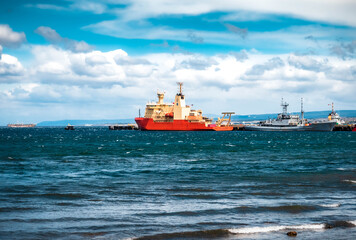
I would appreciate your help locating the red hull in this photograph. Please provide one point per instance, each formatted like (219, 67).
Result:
(147, 124)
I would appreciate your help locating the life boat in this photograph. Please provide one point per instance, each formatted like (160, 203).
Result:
(170, 115)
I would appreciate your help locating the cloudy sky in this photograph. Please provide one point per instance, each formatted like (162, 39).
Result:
(87, 59)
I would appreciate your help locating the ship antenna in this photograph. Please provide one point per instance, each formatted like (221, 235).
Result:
(301, 108)
(332, 107)
(284, 105)
(180, 87)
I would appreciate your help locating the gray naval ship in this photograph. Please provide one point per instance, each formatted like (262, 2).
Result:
(287, 122)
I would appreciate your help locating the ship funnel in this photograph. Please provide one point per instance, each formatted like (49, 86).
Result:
(160, 96)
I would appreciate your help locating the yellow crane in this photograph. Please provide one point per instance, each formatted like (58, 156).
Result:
(221, 120)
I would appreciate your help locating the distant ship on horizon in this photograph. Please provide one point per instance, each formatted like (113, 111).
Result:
(21, 125)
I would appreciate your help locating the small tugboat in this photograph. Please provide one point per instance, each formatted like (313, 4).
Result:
(69, 127)
(287, 122)
(178, 116)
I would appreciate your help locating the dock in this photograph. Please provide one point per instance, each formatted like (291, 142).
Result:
(238, 127)
(123, 127)
(348, 127)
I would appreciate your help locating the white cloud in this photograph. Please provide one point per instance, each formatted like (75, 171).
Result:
(240, 56)
(9, 38)
(82, 5)
(58, 66)
(46, 7)
(117, 68)
(126, 60)
(291, 39)
(90, 6)
(259, 69)
(10, 67)
(95, 84)
(196, 62)
(308, 63)
(194, 37)
(344, 50)
(53, 37)
(330, 11)
(242, 32)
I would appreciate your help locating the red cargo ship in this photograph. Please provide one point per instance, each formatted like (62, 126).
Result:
(177, 116)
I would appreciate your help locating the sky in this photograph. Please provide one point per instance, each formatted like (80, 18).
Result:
(86, 59)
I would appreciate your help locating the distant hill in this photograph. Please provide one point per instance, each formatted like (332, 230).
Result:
(101, 122)
(237, 118)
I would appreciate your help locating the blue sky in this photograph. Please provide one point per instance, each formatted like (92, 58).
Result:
(67, 59)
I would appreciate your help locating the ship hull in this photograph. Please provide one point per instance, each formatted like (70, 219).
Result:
(321, 127)
(147, 124)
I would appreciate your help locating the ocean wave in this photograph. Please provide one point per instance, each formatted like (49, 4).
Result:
(312, 226)
(291, 208)
(196, 196)
(224, 233)
(349, 181)
(342, 224)
(333, 205)
(190, 190)
(251, 230)
(189, 160)
(217, 233)
(12, 209)
(63, 195)
(282, 208)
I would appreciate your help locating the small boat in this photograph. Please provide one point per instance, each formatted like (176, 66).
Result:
(69, 127)
(287, 122)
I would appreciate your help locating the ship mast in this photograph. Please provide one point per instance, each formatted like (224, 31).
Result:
(180, 84)
(284, 105)
(301, 109)
(332, 107)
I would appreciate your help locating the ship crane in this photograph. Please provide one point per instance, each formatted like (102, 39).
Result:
(221, 120)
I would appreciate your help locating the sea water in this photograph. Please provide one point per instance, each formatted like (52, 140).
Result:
(92, 183)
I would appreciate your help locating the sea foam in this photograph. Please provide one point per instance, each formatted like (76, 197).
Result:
(252, 230)
(335, 205)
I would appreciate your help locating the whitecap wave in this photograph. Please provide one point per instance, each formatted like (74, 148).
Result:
(189, 160)
(350, 181)
(252, 230)
(353, 222)
(333, 205)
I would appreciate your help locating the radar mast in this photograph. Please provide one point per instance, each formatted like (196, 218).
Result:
(285, 106)
(180, 84)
